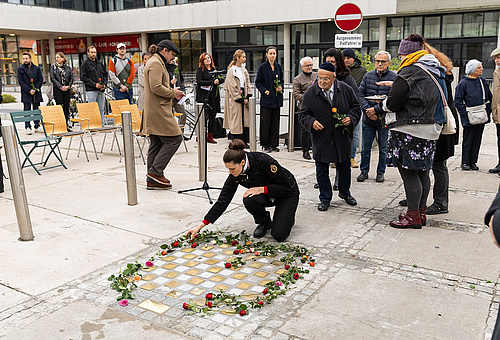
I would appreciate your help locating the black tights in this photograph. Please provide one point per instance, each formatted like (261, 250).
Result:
(417, 186)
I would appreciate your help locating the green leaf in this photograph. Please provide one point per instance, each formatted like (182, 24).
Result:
(163, 246)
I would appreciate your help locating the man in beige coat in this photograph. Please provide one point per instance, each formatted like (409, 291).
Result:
(495, 104)
(158, 119)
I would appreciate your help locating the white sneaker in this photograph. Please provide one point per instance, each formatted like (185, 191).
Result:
(28, 131)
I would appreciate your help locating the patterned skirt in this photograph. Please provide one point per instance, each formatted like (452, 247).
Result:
(409, 152)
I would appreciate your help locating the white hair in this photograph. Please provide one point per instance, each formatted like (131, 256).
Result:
(303, 60)
(383, 52)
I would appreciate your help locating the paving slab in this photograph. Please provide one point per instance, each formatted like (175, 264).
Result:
(355, 305)
(83, 320)
(11, 297)
(450, 251)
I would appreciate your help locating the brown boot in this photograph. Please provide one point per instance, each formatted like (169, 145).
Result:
(210, 138)
(423, 216)
(410, 220)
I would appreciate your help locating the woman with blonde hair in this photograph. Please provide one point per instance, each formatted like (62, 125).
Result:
(237, 87)
(61, 77)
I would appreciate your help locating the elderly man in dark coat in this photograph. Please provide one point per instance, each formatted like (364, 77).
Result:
(330, 110)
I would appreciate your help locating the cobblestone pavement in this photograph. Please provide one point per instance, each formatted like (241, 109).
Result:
(347, 250)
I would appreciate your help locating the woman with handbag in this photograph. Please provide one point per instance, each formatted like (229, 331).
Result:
(61, 77)
(473, 102)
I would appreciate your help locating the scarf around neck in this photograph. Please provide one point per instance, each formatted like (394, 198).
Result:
(412, 58)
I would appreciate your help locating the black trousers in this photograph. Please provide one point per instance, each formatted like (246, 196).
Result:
(1, 174)
(62, 98)
(471, 143)
(269, 126)
(441, 184)
(498, 141)
(305, 139)
(160, 152)
(284, 213)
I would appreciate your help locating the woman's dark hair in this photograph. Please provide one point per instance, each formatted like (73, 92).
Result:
(235, 153)
(271, 48)
(417, 38)
(146, 54)
(341, 70)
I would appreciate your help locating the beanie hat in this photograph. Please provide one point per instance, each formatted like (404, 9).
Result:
(414, 43)
(495, 52)
(349, 52)
(471, 66)
(327, 67)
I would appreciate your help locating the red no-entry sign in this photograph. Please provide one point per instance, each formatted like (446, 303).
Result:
(348, 17)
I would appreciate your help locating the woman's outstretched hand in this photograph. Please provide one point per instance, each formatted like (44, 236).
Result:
(195, 230)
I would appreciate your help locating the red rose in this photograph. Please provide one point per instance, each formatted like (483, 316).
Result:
(311, 264)
(287, 267)
(209, 296)
(209, 304)
(261, 303)
(164, 253)
(234, 243)
(243, 312)
(175, 244)
(185, 305)
(193, 245)
(227, 265)
(265, 291)
(296, 276)
(236, 252)
(31, 79)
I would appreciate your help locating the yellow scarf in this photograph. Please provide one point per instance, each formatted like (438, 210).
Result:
(412, 58)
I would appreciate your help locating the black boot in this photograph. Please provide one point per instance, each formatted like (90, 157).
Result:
(263, 227)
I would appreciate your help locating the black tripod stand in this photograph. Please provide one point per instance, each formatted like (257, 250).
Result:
(203, 112)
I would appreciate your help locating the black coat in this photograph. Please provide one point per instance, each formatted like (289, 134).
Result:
(60, 79)
(263, 171)
(91, 71)
(204, 78)
(24, 76)
(265, 82)
(332, 144)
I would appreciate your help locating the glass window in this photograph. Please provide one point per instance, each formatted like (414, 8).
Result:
(270, 35)
(196, 39)
(473, 24)
(363, 29)
(412, 25)
(256, 36)
(294, 29)
(281, 35)
(432, 25)
(394, 28)
(230, 37)
(185, 40)
(374, 29)
(175, 39)
(452, 26)
(312, 33)
(491, 23)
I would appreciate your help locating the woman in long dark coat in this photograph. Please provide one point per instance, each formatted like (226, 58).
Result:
(61, 77)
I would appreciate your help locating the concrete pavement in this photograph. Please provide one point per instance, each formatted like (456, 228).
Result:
(370, 282)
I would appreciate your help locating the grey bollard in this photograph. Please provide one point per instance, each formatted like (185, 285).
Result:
(128, 149)
(291, 122)
(202, 143)
(16, 180)
(252, 128)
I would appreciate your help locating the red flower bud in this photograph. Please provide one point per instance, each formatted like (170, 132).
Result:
(243, 312)
(287, 267)
(261, 303)
(193, 245)
(209, 296)
(175, 244)
(265, 291)
(163, 253)
(227, 265)
(236, 252)
(311, 264)
(234, 243)
(31, 79)
(242, 251)
(209, 304)
(296, 276)
(185, 305)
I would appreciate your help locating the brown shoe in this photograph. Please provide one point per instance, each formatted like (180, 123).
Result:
(157, 186)
(159, 179)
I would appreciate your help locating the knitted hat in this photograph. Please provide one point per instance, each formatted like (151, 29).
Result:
(327, 67)
(349, 52)
(408, 47)
(495, 52)
(471, 66)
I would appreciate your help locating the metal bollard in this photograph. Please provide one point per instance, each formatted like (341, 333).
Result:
(128, 149)
(291, 122)
(16, 180)
(202, 143)
(252, 129)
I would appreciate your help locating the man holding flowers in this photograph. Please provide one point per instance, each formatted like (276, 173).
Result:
(330, 110)
(30, 79)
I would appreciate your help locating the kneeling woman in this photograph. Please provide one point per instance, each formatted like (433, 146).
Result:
(268, 183)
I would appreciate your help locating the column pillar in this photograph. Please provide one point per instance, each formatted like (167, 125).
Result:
(208, 39)
(144, 42)
(287, 65)
(498, 39)
(45, 66)
(382, 28)
(52, 49)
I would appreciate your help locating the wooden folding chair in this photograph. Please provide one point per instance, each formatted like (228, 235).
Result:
(51, 141)
(90, 120)
(53, 118)
(136, 126)
(116, 114)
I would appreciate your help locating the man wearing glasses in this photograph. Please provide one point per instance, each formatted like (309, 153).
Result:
(122, 74)
(375, 83)
(300, 84)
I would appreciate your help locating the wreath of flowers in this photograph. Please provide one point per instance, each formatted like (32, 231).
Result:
(292, 259)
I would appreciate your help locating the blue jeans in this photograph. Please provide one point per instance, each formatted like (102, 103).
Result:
(323, 178)
(97, 96)
(27, 107)
(368, 136)
(355, 139)
(124, 95)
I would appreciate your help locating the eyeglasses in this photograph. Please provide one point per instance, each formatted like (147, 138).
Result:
(381, 61)
(323, 79)
(309, 65)
(401, 56)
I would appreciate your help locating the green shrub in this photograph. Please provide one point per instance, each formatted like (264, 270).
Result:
(7, 98)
